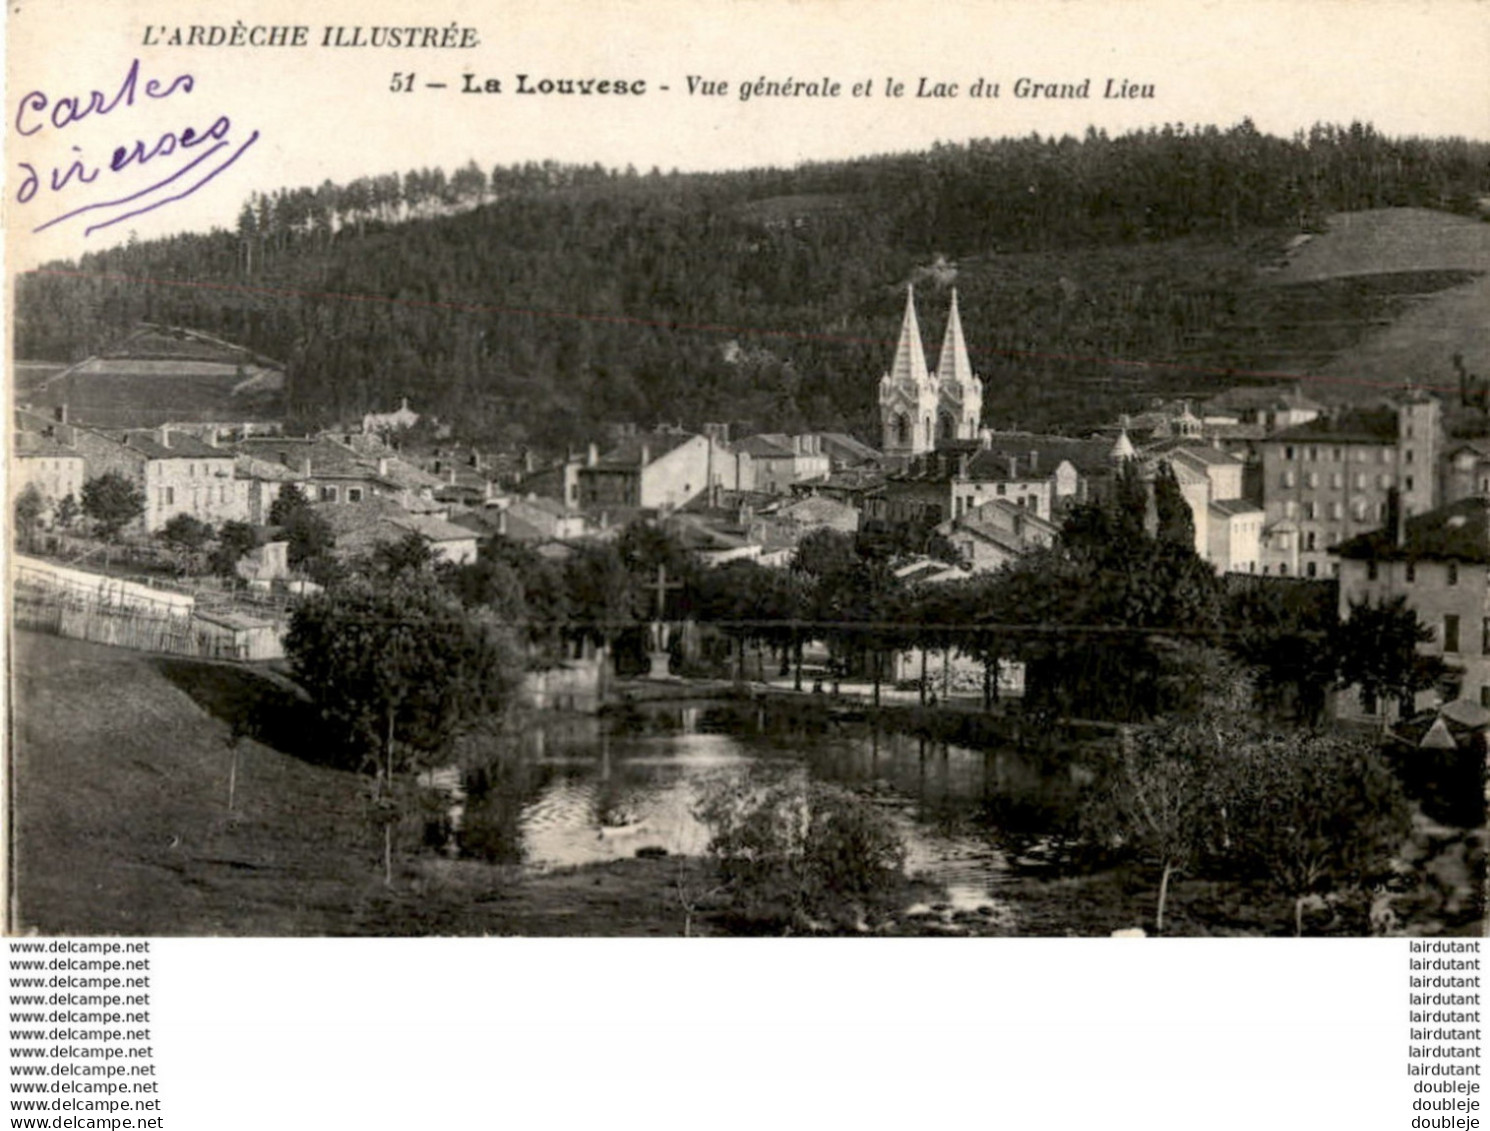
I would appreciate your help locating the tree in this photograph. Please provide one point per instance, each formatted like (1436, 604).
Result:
(402, 671)
(1376, 649)
(112, 502)
(1158, 799)
(411, 554)
(1176, 523)
(234, 539)
(1313, 813)
(183, 532)
(29, 507)
(67, 511)
(289, 501)
(792, 852)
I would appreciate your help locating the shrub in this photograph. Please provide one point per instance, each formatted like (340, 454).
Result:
(794, 853)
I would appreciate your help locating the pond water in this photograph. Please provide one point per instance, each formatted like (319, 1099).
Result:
(580, 791)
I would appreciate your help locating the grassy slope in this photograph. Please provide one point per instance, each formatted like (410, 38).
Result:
(121, 772)
(1420, 342)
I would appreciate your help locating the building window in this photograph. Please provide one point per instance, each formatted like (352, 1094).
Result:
(1337, 480)
(328, 494)
(1287, 480)
(170, 496)
(1407, 483)
(1336, 510)
(1311, 511)
(1309, 541)
(1384, 481)
(1311, 569)
(1360, 480)
(354, 494)
(1485, 637)
(1335, 454)
(1451, 633)
(1485, 696)
(1407, 456)
(1288, 452)
(1411, 573)
(1334, 569)
(1313, 455)
(1373, 571)
(1313, 479)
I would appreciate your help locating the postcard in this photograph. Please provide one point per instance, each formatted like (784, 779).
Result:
(891, 471)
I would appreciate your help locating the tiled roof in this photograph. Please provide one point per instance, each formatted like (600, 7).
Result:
(628, 452)
(1457, 532)
(1261, 398)
(840, 447)
(1233, 507)
(182, 445)
(1353, 426)
(765, 447)
(25, 444)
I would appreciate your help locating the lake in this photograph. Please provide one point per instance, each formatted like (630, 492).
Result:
(571, 791)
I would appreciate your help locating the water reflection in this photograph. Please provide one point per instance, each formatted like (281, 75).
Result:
(581, 791)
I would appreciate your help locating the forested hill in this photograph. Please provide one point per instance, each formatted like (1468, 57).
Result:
(534, 303)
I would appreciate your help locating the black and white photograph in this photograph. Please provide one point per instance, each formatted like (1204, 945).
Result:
(464, 481)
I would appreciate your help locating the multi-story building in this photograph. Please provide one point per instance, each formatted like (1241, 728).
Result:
(1327, 480)
(177, 473)
(1440, 562)
(660, 470)
(43, 462)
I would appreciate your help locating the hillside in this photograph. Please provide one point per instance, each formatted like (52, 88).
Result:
(533, 305)
(1410, 249)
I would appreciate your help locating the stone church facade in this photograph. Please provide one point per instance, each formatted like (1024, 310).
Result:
(921, 408)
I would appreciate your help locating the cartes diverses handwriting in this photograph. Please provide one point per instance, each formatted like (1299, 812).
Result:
(61, 171)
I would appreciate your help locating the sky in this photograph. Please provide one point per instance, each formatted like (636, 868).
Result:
(300, 115)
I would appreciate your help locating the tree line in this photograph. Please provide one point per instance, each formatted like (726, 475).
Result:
(532, 304)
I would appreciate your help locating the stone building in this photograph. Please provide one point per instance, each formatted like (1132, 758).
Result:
(1440, 562)
(1327, 481)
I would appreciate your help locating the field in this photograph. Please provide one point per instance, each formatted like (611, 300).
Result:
(1408, 250)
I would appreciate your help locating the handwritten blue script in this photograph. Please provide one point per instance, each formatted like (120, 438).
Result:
(188, 158)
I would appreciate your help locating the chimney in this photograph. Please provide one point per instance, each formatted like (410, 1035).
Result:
(450, 476)
(985, 439)
(163, 435)
(382, 466)
(491, 490)
(1013, 467)
(646, 456)
(592, 455)
(528, 461)
(962, 465)
(502, 522)
(1396, 517)
(305, 465)
(1034, 461)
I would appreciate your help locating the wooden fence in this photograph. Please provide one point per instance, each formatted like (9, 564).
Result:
(62, 614)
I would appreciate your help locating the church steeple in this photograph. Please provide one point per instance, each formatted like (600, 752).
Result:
(908, 400)
(910, 354)
(960, 393)
(953, 367)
